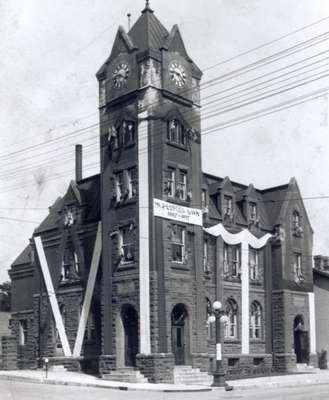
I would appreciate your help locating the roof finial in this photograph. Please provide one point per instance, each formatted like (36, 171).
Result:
(147, 7)
(129, 21)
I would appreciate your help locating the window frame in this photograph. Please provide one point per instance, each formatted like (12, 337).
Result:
(256, 321)
(231, 328)
(132, 182)
(254, 267)
(228, 205)
(181, 185)
(253, 211)
(123, 245)
(176, 135)
(181, 244)
(297, 266)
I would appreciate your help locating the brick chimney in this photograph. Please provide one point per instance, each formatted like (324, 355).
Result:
(78, 162)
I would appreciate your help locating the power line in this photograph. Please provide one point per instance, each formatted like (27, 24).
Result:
(262, 62)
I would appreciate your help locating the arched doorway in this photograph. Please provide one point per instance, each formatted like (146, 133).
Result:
(301, 340)
(130, 329)
(179, 334)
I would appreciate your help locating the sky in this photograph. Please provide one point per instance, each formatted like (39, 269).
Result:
(50, 52)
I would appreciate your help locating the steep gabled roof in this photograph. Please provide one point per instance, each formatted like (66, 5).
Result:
(24, 257)
(148, 32)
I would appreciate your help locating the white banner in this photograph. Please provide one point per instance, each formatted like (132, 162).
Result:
(176, 212)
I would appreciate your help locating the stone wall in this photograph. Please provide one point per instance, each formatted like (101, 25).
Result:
(107, 363)
(158, 368)
(9, 353)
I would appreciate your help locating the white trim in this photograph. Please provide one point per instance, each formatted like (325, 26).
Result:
(52, 297)
(89, 292)
(144, 235)
(312, 323)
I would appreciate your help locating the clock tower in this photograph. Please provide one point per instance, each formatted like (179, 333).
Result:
(154, 306)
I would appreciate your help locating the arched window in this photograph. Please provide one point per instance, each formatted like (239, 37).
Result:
(231, 309)
(255, 320)
(296, 223)
(176, 132)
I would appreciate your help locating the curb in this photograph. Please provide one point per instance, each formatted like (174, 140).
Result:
(100, 385)
(273, 385)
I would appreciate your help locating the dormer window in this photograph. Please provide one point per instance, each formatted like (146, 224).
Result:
(176, 132)
(252, 211)
(296, 224)
(228, 206)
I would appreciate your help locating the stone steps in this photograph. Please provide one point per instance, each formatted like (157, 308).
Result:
(57, 368)
(303, 368)
(186, 375)
(131, 375)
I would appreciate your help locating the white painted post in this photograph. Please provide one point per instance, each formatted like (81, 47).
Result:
(245, 296)
(144, 239)
(89, 292)
(52, 297)
(311, 306)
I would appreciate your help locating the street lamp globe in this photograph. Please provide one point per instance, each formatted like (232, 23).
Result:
(224, 319)
(211, 319)
(217, 305)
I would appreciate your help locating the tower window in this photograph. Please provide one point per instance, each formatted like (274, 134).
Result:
(22, 332)
(253, 264)
(255, 320)
(170, 182)
(128, 132)
(297, 224)
(181, 185)
(204, 201)
(126, 243)
(119, 185)
(132, 182)
(178, 244)
(176, 132)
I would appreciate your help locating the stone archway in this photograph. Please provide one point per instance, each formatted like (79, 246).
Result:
(180, 334)
(301, 340)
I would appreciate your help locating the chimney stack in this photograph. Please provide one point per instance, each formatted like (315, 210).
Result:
(78, 162)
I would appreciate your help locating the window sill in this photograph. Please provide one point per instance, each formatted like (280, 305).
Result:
(179, 266)
(125, 265)
(177, 145)
(176, 200)
(125, 202)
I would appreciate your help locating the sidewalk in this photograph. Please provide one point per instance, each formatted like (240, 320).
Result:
(80, 379)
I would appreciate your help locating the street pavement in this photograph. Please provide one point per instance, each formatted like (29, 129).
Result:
(10, 390)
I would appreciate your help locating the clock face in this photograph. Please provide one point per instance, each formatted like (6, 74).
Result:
(177, 74)
(120, 75)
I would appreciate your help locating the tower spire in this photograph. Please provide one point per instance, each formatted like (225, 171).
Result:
(147, 7)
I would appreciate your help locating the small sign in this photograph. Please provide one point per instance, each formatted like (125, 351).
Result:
(176, 212)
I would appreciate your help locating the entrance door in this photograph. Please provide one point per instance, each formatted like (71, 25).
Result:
(178, 333)
(301, 341)
(130, 325)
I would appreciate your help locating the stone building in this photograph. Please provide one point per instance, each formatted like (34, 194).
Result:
(124, 269)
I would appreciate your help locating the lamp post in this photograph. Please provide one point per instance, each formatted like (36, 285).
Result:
(218, 317)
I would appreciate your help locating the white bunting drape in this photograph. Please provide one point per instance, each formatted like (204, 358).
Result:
(245, 239)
